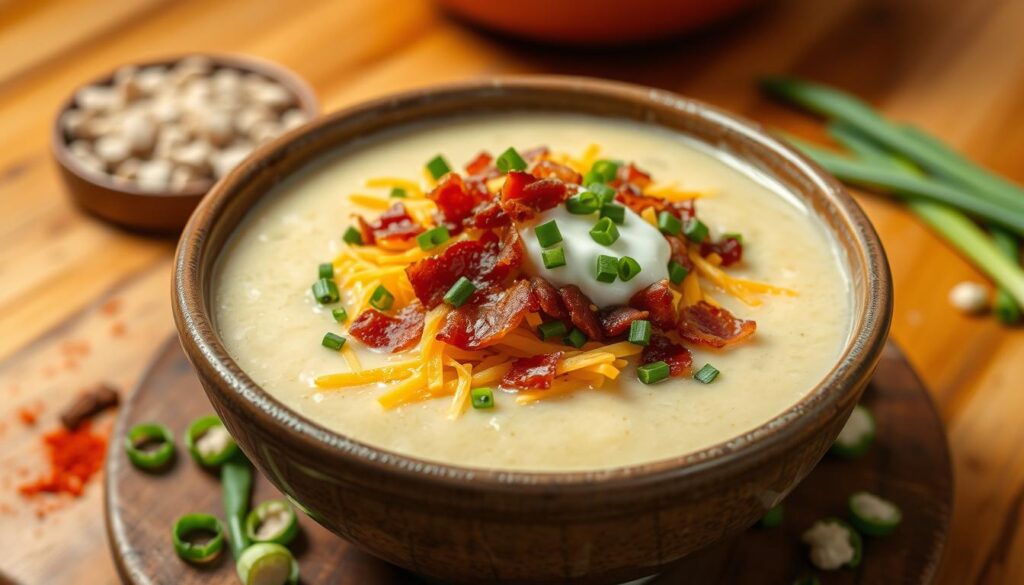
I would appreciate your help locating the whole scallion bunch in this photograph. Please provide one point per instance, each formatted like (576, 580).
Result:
(940, 186)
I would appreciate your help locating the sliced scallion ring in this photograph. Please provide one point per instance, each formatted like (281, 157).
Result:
(209, 442)
(272, 521)
(873, 515)
(857, 435)
(198, 538)
(266, 563)
(149, 446)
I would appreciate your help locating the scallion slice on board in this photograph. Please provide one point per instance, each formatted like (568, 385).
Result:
(272, 521)
(149, 446)
(198, 538)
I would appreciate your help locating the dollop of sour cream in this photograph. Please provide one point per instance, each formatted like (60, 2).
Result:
(637, 239)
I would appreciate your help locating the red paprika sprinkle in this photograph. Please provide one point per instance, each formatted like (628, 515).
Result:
(75, 456)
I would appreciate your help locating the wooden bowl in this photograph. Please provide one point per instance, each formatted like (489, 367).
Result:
(468, 525)
(596, 22)
(152, 211)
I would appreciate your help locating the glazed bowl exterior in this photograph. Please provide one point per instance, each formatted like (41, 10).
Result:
(468, 525)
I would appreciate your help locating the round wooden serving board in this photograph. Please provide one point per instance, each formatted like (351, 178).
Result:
(908, 464)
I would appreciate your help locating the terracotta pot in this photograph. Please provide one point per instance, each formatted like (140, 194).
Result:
(125, 204)
(470, 525)
(595, 22)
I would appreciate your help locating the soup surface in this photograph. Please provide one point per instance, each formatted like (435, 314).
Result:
(272, 325)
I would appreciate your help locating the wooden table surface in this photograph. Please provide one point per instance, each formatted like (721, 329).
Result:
(81, 302)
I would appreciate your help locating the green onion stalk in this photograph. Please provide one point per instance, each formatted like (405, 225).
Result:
(236, 483)
(932, 201)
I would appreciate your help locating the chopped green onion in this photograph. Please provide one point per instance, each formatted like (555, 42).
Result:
(676, 272)
(606, 168)
(198, 538)
(333, 341)
(438, 167)
(653, 373)
(590, 177)
(706, 375)
(398, 193)
(236, 487)
(510, 161)
(481, 398)
(604, 232)
(857, 435)
(553, 257)
(576, 338)
(209, 442)
(382, 299)
(873, 515)
(1006, 309)
(733, 236)
(772, 518)
(552, 329)
(583, 204)
(340, 315)
(325, 291)
(548, 234)
(628, 268)
(669, 224)
(460, 292)
(695, 230)
(604, 193)
(353, 236)
(267, 563)
(640, 332)
(149, 446)
(606, 269)
(433, 238)
(325, 270)
(272, 521)
(614, 212)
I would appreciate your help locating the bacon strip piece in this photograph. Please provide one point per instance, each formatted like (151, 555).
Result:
(617, 321)
(661, 349)
(480, 164)
(488, 215)
(683, 210)
(390, 334)
(523, 195)
(456, 200)
(478, 325)
(394, 224)
(730, 250)
(580, 312)
(534, 372)
(629, 174)
(486, 262)
(656, 300)
(711, 326)
(546, 298)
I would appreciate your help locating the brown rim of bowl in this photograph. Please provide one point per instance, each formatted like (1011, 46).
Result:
(305, 100)
(853, 367)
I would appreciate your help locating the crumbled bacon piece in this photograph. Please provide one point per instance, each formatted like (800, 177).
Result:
(488, 215)
(629, 174)
(679, 254)
(390, 334)
(729, 249)
(657, 300)
(480, 324)
(546, 298)
(480, 164)
(456, 200)
(661, 349)
(711, 326)
(523, 195)
(486, 262)
(681, 209)
(534, 372)
(580, 312)
(535, 153)
(394, 225)
(550, 169)
(615, 322)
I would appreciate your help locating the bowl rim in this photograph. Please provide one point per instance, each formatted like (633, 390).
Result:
(835, 392)
(60, 146)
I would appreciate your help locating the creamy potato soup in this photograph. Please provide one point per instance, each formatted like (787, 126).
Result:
(523, 346)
